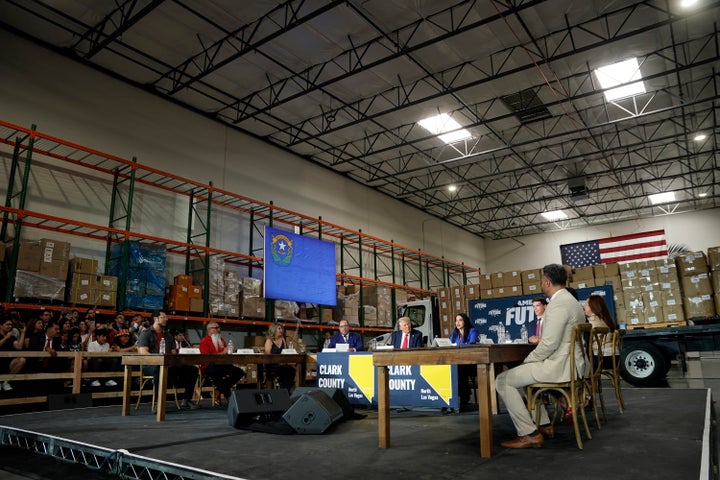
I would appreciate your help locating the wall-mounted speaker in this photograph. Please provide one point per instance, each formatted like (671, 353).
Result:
(312, 413)
(256, 406)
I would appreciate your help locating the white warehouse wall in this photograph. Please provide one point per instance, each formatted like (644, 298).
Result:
(695, 230)
(78, 104)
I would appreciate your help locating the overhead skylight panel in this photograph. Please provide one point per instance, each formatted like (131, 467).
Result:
(447, 129)
(621, 80)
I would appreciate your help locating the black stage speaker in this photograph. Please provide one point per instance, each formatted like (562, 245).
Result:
(256, 406)
(336, 394)
(313, 413)
(64, 401)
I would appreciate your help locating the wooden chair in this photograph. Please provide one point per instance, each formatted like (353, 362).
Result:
(573, 390)
(144, 380)
(598, 336)
(614, 373)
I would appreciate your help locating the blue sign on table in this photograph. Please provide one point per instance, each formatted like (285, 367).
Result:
(410, 385)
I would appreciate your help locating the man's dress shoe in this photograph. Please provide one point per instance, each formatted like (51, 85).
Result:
(526, 441)
(547, 431)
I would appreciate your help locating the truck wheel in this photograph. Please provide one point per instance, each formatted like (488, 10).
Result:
(642, 365)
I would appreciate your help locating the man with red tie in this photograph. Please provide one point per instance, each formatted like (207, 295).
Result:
(406, 336)
(48, 341)
(539, 305)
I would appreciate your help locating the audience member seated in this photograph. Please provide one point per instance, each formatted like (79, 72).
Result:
(48, 341)
(9, 343)
(223, 376)
(183, 376)
(274, 344)
(102, 364)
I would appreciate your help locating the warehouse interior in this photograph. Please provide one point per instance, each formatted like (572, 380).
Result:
(315, 107)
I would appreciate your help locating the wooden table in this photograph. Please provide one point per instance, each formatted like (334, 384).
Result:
(166, 361)
(482, 355)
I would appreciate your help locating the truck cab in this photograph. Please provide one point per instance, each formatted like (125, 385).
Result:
(424, 317)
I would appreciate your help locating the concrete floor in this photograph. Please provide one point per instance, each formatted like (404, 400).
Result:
(658, 437)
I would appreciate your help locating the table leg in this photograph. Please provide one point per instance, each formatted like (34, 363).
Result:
(484, 409)
(127, 390)
(383, 384)
(162, 393)
(493, 393)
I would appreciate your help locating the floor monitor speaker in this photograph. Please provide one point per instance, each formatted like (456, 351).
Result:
(313, 413)
(250, 406)
(336, 394)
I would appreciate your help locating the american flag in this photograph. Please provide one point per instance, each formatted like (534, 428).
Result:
(625, 248)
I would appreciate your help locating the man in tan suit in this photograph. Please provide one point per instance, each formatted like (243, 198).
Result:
(549, 361)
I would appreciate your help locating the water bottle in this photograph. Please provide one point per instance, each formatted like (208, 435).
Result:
(524, 334)
(162, 347)
(230, 347)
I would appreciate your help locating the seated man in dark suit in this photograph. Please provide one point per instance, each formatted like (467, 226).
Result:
(48, 341)
(346, 336)
(406, 337)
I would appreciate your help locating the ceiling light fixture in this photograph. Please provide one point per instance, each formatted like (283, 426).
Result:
(700, 137)
(615, 79)
(441, 124)
(687, 3)
(665, 197)
(702, 195)
(452, 188)
(555, 215)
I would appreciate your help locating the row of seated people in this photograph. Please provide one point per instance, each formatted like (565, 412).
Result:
(109, 337)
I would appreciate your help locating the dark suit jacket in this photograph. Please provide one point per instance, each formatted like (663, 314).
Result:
(37, 342)
(415, 340)
(354, 341)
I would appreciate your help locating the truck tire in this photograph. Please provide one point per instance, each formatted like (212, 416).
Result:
(642, 365)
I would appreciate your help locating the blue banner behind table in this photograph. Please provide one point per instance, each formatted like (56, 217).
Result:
(514, 312)
(410, 385)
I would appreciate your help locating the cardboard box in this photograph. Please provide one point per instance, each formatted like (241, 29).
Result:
(107, 283)
(701, 306)
(485, 282)
(83, 280)
(674, 313)
(583, 273)
(29, 256)
(82, 296)
(254, 307)
(654, 315)
(696, 285)
(55, 259)
(196, 305)
(443, 293)
(195, 291)
(531, 276)
(532, 288)
(472, 292)
(497, 280)
(83, 265)
(691, 264)
(487, 293)
(185, 280)
(512, 279)
(586, 283)
(106, 298)
(457, 291)
(713, 257)
(606, 270)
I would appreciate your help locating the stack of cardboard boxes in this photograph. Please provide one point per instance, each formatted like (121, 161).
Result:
(347, 307)
(695, 285)
(252, 303)
(183, 296)
(377, 306)
(86, 287)
(42, 268)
